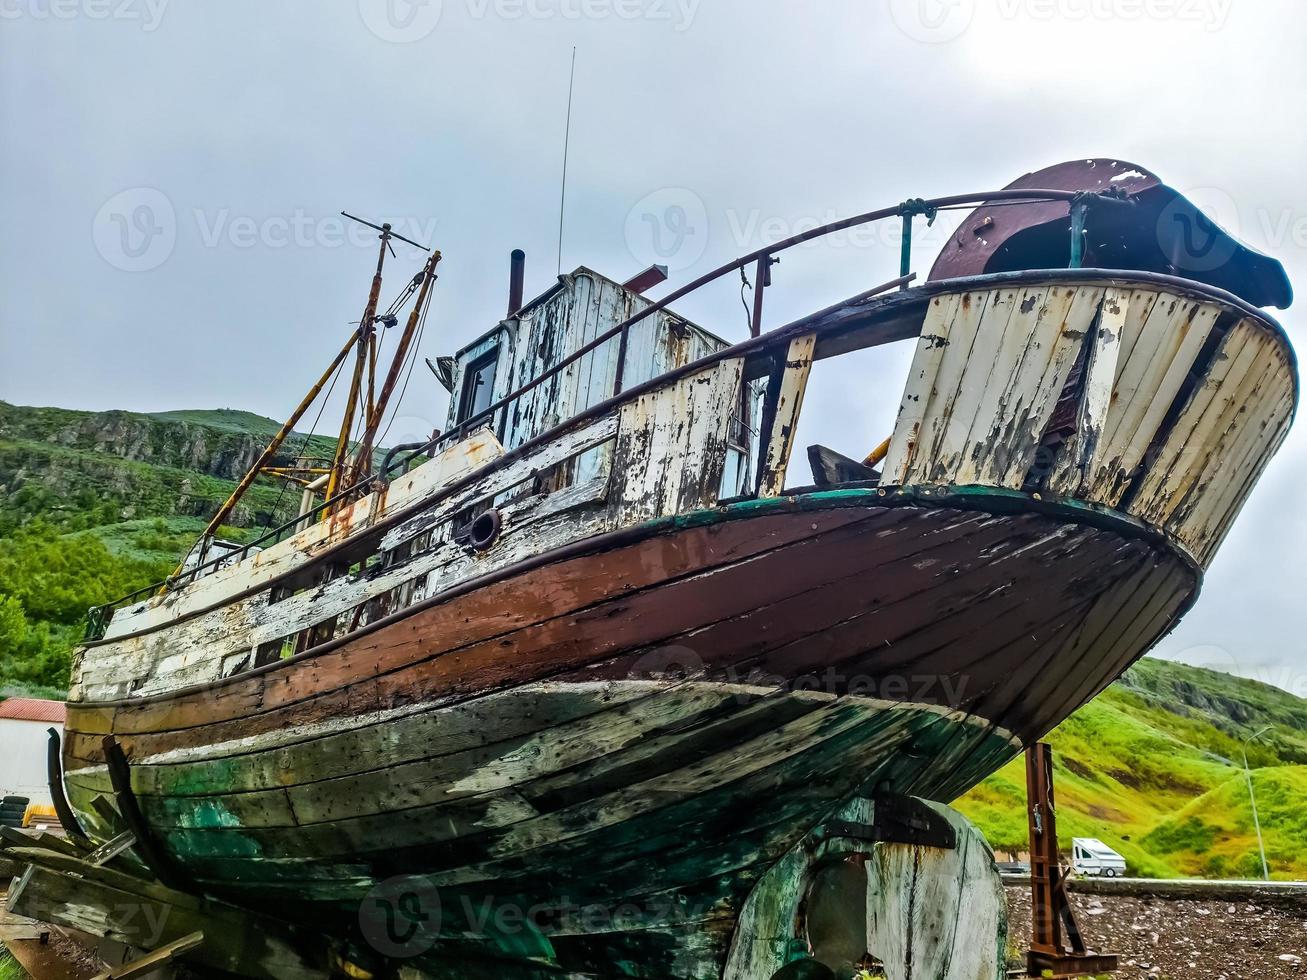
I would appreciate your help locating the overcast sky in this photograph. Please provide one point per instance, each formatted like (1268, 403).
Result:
(172, 172)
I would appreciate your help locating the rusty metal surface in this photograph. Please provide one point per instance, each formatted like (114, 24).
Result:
(1159, 230)
(1057, 947)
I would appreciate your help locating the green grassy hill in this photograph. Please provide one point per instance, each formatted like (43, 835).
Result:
(94, 505)
(1154, 768)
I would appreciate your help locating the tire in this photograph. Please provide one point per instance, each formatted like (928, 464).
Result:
(15, 801)
(1110, 873)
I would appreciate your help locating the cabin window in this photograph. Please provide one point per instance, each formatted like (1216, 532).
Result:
(478, 385)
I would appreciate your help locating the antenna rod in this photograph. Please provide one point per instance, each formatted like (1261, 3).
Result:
(567, 141)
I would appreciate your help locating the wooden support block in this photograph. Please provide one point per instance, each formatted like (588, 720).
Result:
(152, 961)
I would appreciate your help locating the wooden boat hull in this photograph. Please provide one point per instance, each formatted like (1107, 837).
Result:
(647, 722)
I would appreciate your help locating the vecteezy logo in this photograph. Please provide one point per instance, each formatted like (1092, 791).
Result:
(933, 21)
(136, 229)
(668, 227)
(1194, 240)
(400, 21)
(400, 918)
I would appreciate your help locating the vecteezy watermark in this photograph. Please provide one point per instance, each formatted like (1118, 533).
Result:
(148, 13)
(1194, 242)
(405, 21)
(933, 21)
(403, 917)
(679, 13)
(1211, 15)
(141, 924)
(400, 918)
(675, 663)
(136, 229)
(400, 21)
(941, 21)
(668, 227)
(299, 229)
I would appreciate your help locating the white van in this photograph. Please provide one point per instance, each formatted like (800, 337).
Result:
(1093, 858)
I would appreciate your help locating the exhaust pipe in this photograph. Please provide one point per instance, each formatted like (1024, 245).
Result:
(516, 278)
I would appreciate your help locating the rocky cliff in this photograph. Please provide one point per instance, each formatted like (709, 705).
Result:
(83, 469)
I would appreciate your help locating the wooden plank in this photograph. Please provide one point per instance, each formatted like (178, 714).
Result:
(952, 451)
(1214, 398)
(1187, 335)
(497, 608)
(671, 442)
(1044, 370)
(152, 961)
(789, 403)
(110, 849)
(1170, 341)
(1019, 368)
(243, 943)
(920, 388)
(1140, 341)
(1218, 533)
(1077, 457)
(948, 381)
(1262, 437)
(1210, 463)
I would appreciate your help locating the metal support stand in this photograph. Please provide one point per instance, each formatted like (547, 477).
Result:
(1057, 948)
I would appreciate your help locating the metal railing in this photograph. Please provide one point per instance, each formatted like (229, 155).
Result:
(762, 260)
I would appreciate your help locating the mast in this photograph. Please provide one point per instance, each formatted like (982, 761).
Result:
(368, 438)
(345, 467)
(366, 353)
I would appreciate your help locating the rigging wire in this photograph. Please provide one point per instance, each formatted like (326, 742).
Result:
(412, 360)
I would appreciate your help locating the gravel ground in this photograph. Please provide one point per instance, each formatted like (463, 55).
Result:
(1185, 939)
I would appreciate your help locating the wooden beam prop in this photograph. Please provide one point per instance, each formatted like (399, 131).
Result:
(1057, 949)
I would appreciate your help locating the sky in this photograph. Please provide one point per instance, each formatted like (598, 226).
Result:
(173, 173)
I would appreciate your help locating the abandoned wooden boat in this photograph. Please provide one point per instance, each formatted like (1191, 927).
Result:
(587, 650)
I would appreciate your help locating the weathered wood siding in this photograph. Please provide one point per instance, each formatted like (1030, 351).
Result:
(584, 306)
(665, 453)
(1179, 402)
